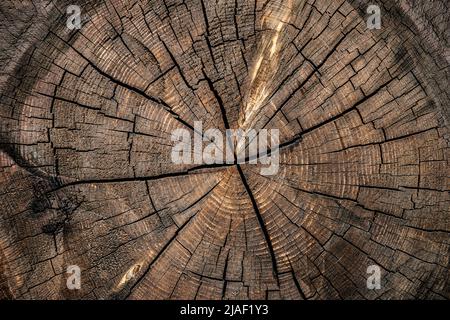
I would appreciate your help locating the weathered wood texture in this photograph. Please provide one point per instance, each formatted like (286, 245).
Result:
(85, 171)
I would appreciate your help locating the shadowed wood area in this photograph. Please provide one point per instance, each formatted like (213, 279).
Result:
(86, 176)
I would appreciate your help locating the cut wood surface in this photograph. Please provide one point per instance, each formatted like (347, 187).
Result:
(86, 176)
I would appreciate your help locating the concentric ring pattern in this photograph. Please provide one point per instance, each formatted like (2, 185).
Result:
(87, 178)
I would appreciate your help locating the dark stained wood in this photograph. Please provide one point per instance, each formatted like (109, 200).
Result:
(86, 176)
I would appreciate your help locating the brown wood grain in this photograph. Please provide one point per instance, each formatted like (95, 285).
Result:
(86, 176)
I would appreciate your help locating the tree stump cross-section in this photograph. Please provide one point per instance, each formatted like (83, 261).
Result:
(87, 179)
